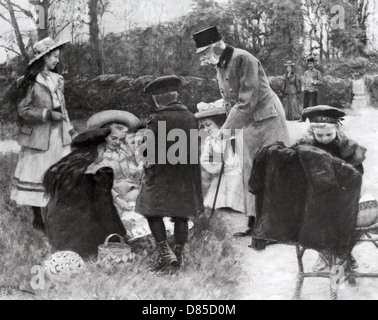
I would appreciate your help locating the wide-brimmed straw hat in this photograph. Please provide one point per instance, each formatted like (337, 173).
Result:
(44, 47)
(206, 110)
(103, 118)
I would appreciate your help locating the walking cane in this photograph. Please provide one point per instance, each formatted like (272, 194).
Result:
(220, 180)
(218, 187)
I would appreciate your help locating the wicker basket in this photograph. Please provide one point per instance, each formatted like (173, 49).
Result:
(112, 254)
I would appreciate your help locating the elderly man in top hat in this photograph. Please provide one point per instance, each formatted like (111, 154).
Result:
(250, 101)
(312, 80)
(170, 189)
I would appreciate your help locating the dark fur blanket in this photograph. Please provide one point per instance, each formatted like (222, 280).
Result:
(81, 220)
(305, 195)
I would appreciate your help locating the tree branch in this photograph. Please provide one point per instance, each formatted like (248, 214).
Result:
(10, 49)
(67, 24)
(24, 11)
(5, 18)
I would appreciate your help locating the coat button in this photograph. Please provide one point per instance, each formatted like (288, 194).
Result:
(231, 90)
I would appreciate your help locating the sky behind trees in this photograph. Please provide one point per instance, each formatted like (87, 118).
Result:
(69, 20)
(122, 15)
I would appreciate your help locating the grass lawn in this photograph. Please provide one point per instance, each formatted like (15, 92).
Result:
(220, 267)
(211, 273)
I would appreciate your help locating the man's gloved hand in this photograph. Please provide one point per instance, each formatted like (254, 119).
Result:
(225, 134)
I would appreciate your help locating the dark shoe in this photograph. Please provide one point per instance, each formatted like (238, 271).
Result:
(38, 222)
(246, 233)
(167, 259)
(261, 244)
(353, 263)
(258, 244)
(40, 226)
(179, 252)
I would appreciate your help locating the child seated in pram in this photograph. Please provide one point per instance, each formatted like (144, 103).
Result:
(325, 133)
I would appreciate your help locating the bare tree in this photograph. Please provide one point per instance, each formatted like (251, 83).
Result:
(94, 35)
(10, 7)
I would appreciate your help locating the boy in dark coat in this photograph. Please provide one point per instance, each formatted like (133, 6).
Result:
(170, 188)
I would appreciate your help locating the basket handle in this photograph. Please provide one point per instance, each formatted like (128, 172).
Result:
(111, 236)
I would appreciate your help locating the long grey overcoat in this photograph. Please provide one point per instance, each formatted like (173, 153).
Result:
(252, 106)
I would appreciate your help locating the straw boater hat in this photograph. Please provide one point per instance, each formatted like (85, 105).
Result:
(206, 110)
(103, 118)
(289, 63)
(44, 47)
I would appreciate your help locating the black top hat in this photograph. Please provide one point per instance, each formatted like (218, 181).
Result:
(91, 138)
(163, 84)
(206, 37)
(323, 114)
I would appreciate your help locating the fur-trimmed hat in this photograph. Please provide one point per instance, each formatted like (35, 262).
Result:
(91, 138)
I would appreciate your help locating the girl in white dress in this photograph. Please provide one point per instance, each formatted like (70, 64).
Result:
(45, 129)
(214, 151)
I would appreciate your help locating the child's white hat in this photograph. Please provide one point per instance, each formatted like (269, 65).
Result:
(211, 109)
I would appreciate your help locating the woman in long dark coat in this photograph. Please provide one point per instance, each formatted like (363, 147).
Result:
(291, 90)
(81, 212)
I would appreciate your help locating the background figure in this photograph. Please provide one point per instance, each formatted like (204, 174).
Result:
(231, 193)
(312, 80)
(45, 129)
(291, 91)
(81, 211)
(170, 190)
(250, 102)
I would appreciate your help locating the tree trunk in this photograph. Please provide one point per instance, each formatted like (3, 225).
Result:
(94, 32)
(17, 32)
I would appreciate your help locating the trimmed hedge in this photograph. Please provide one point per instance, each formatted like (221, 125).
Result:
(87, 96)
